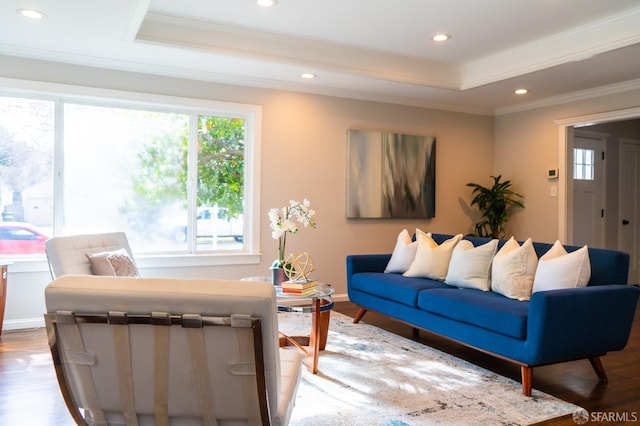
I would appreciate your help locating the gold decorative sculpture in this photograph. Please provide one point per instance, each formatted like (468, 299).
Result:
(299, 266)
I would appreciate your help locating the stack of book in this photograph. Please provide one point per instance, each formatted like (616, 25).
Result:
(299, 288)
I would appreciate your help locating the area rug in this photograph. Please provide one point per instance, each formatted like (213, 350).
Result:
(368, 376)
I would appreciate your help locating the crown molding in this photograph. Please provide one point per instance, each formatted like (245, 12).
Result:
(571, 97)
(603, 117)
(617, 31)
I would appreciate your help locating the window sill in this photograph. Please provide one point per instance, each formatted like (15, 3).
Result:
(40, 264)
(187, 260)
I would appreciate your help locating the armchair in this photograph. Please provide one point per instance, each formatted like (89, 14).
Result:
(170, 351)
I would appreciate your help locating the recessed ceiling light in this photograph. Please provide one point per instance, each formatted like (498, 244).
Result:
(31, 13)
(267, 3)
(521, 91)
(441, 37)
(308, 75)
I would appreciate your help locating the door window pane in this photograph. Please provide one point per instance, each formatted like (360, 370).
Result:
(583, 164)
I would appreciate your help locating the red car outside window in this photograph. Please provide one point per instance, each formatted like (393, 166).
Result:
(20, 238)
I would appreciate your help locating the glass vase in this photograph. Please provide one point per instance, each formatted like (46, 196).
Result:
(277, 276)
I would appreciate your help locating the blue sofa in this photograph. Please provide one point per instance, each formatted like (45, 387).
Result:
(553, 326)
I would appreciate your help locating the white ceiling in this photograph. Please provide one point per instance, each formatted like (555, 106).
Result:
(366, 49)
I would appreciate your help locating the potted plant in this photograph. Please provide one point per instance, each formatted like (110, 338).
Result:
(282, 223)
(494, 204)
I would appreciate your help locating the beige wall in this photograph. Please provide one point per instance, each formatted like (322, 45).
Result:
(527, 144)
(303, 155)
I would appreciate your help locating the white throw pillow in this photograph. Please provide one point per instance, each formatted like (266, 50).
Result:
(470, 267)
(513, 270)
(403, 254)
(432, 260)
(113, 263)
(559, 269)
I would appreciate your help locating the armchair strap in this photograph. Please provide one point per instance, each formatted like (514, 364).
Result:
(161, 367)
(199, 369)
(244, 333)
(69, 331)
(123, 362)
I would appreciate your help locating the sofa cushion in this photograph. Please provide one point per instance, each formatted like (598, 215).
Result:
(393, 286)
(558, 269)
(470, 266)
(403, 254)
(487, 310)
(432, 260)
(514, 267)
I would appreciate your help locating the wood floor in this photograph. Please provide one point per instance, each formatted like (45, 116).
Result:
(29, 393)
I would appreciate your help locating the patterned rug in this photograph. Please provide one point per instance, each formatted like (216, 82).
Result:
(368, 376)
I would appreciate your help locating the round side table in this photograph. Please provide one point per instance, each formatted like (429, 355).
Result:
(319, 303)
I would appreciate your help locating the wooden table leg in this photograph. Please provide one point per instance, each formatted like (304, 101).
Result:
(314, 339)
(324, 328)
(311, 345)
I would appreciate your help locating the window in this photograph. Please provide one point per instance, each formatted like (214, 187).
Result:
(26, 172)
(176, 178)
(583, 164)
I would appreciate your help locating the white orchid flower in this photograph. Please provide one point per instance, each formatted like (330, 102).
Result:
(282, 222)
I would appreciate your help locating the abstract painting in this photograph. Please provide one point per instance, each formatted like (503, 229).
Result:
(390, 175)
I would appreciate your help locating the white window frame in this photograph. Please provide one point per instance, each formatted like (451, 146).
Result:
(252, 114)
(584, 166)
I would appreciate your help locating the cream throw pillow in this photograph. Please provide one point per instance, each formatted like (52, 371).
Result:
(470, 267)
(513, 269)
(559, 269)
(112, 263)
(403, 254)
(432, 260)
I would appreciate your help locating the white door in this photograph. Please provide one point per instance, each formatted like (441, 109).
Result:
(629, 208)
(588, 191)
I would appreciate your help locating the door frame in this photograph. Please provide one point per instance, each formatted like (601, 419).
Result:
(602, 139)
(565, 150)
(635, 272)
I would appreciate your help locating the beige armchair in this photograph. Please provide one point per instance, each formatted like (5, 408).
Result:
(68, 254)
(170, 351)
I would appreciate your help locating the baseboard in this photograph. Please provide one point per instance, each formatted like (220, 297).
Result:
(19, 324)
(340, 297)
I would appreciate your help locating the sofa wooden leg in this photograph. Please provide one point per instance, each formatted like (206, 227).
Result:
(527, 379)
(596, 363)
(359, 315)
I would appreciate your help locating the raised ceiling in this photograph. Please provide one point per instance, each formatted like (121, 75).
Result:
(377, 50)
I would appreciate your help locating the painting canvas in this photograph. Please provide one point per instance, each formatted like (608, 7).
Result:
(390, 175)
